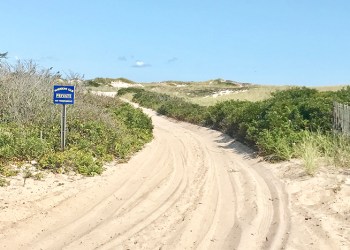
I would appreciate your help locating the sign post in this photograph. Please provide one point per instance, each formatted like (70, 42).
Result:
(63, 95)
(63, 127)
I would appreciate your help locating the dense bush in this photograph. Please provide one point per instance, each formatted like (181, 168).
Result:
(138, 130)
(166, 105)
(98, 128)
(274, 126)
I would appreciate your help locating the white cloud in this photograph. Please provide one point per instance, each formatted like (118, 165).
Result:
(141, 64)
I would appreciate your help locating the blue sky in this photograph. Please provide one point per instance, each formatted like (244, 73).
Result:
(301, 42)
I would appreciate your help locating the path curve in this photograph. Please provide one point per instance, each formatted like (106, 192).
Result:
(190, 188)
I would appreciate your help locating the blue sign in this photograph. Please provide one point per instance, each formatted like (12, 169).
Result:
(63, 94)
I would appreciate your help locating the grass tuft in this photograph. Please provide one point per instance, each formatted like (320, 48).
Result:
(308, 151)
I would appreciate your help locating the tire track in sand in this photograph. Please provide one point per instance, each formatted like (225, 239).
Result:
(191, 188)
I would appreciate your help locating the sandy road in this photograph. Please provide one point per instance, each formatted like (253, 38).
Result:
(190, 188)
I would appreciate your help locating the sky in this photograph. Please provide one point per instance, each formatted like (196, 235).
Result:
(294, 42)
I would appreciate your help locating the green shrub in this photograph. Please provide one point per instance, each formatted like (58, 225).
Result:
(32, 147)
(273, 126)
(7, 171)
(21, 143)
(4, 182)
(276, 124)
(92, 83)
(277, 144)
(52, 161)
(174, 107)
(133, 118)
(85, 164)
(7, 152)
(7, 142)
(39, 176)
(98, 128)
(72, 160)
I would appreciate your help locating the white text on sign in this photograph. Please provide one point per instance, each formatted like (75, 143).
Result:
(63, 96)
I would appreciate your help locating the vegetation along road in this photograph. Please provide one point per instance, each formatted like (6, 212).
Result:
(190, 188)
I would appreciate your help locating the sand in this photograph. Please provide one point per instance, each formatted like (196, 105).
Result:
(190, 188)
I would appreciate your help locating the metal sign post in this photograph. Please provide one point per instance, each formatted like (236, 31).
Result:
(63, 95)
(63, 127)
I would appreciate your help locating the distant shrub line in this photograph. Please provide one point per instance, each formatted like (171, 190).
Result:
(167, 105)
(274, 127)
(97, 82)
